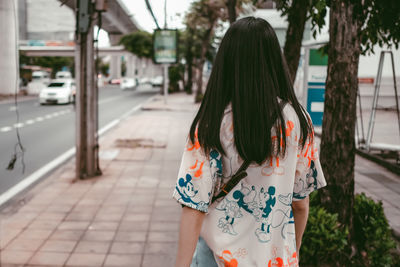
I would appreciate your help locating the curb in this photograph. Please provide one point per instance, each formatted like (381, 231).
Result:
(20, 99)
(42, 172)
(383, 163)
(394, 168)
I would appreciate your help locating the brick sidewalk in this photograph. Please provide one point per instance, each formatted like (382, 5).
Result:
(126, 217)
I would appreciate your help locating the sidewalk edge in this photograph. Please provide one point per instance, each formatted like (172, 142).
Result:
(393, 168)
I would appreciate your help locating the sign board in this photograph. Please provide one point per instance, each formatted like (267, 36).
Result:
(316, 75)
(165, 46)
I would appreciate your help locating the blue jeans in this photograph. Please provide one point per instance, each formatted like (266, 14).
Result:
(203, 256)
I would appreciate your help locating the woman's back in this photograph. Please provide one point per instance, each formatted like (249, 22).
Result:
(253, 225)
(249, 114)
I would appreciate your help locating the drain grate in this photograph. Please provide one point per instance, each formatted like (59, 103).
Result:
(139, 142)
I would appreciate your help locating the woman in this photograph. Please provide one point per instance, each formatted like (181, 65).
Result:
(249, 114)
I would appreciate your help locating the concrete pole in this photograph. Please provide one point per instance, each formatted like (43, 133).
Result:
(130, 66)
(115, 67)
(140, 67)
(115, 62)
(86, 107)
(9, 66)
(91, 111)
(80, 106)
(165, 85)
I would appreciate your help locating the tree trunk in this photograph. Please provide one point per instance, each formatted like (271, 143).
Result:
(338, 128)
(189, 82)
(297, 18)
(204, 47)
(189, 62)
(231, 6)
(199, 80)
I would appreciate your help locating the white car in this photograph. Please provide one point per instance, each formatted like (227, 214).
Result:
(41, 76)
(144, 80)
(157, 81)
(40, 79)
(128, 83)
(63, 75)
(58, 92)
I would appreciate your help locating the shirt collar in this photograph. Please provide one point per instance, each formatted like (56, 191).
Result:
(228, 108)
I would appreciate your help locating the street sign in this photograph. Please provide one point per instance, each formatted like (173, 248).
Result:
(165, 46)
(315, 75)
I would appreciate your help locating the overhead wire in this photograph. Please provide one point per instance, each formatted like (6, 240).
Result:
(19, 150)
(99, 24)
(151, 13)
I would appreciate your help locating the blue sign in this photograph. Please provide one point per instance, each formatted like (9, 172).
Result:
(315, 102)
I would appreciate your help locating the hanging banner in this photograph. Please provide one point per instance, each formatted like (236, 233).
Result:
(165, 46)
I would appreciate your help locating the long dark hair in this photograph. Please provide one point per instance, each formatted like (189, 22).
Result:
(251, 73)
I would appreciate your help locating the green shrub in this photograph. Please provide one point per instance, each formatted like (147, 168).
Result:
(324, 241)
(314, 199)
(372, 233)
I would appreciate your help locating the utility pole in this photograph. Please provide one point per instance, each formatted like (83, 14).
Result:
(86, 93)
(165, 67)
(165, 14)
(8, 46)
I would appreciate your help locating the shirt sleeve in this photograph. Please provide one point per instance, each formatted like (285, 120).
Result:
(309, 176)
(197, 176)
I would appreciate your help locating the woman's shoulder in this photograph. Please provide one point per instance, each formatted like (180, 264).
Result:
(289, 112)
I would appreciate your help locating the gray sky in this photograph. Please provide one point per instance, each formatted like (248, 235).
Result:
(175, 13)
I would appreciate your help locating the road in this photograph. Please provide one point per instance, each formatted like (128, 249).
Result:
(48, 131)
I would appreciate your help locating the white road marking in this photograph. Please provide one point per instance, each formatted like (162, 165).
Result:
(10, 193)
(32, 121)
(5, 129)
(36, 176)
(12, 108)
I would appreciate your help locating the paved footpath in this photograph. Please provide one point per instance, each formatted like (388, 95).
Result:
(126, 217)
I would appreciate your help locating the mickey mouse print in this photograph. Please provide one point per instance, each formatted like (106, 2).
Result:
(256, 216)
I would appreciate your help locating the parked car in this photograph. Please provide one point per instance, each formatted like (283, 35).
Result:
(63, 75)
(157, 81)
(42, 76)
(144, 80)
(58, 92)
(128, 83)
(115, 81)
(40, 79)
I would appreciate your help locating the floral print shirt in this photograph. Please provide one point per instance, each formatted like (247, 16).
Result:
(253, 225)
